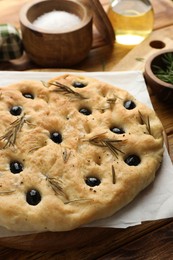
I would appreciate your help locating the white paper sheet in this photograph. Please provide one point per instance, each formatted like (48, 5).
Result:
(156, 201)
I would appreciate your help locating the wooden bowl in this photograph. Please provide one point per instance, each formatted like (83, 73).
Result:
(163, 90)
(56, 49)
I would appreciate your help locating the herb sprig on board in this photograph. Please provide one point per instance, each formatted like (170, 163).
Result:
(165, 73)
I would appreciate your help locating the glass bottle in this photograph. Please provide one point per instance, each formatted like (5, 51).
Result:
(132, 20)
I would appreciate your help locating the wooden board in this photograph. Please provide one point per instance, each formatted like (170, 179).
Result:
(49, 241)
(136, 58)
(86, 238)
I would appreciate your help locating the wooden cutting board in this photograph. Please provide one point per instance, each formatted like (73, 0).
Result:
(57, 241)
(136, 58)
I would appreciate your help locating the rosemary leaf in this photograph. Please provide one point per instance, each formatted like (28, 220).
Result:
(140, 59)
(65, 155)
(45, 84)
(114, 150)
(75, 200)
(35, 148)
(7, 192)
(145, 121)
(113, 175)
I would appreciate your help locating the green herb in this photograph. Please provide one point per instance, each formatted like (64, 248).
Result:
(45, 84)
(140, 59)
(75, 200)
(113, 175)
(65, 155)
(11, 133)
(165, 73)
(145, 121)
(7, 192)
(100, 140)
(61, 88)
(35, 148)
(55, 184)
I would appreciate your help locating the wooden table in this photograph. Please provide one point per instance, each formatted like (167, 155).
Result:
(151, 240)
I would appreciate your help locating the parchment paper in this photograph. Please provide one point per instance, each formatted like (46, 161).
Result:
(156, 201)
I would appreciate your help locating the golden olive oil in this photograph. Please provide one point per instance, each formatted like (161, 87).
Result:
(132, 20)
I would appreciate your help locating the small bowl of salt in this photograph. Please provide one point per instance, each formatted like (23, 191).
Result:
(56, 33)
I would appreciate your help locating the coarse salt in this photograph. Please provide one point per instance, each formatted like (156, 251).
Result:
(58, 21)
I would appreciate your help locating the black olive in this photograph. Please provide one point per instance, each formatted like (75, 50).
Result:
(129, 104)
(16, 167)
(56, 137)
(78, 84)
(85, 111)
(16, 110)
(117, 130)
(33, 197)
(133, 160)
(92, 181)
(28, 95)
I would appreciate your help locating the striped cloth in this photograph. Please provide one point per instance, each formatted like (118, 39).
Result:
(10, 43)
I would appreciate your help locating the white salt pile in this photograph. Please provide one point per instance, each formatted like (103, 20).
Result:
(58, 21)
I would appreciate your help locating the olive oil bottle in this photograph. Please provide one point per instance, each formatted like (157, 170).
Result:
(132, 20)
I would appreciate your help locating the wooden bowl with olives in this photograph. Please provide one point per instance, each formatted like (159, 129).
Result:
(60, 42)
(159, 74)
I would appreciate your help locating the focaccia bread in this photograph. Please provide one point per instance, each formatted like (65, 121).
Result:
(72, 150)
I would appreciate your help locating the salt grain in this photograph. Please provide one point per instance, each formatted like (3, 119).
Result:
(58, 21)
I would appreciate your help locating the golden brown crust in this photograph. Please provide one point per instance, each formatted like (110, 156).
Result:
(60, 172)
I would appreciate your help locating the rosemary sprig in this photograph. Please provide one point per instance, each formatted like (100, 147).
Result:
(139, 59)
(65, 155)
(55, 184)
(109, 101)
(35, 148)
(145, 121)
(75, 200)
(45, 84)
(36, 144)
(165, 73)
(61, 88)
(7, 192)
(101, 141)
(11, 134)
